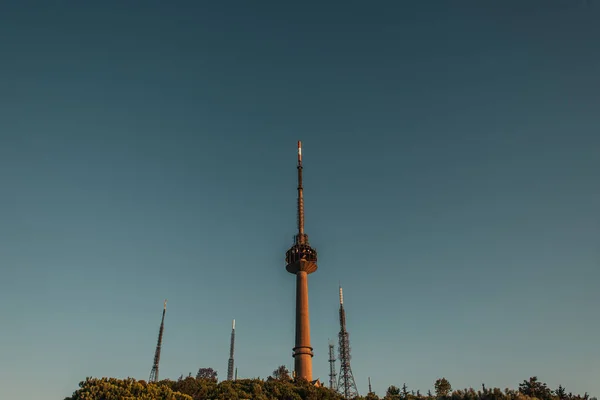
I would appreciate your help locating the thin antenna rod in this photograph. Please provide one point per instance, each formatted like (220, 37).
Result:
(300, 196)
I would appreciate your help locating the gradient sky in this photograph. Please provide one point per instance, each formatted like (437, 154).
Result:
(451, 151)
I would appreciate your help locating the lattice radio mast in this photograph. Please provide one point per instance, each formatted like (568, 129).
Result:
(154, 372)
(332, 374)
(231, 348)
(346, 383)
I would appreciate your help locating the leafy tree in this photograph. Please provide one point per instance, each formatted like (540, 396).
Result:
(206, 373)
(392, 393)
(535, 388)
(561, 393)
(113, 389)
(281, 373)
(442, 388)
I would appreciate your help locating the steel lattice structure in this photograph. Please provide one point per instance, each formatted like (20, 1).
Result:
(231, 348)
(332, 374)
(154, 372)
(346, 383)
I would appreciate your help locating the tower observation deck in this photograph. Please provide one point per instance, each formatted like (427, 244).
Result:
(301, 260)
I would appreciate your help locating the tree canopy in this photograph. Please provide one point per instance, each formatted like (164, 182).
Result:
(207, 373)
(280, 387)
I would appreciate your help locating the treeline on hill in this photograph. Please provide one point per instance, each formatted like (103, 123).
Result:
(280, 386)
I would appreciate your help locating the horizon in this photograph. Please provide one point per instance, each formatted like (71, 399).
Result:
(450, 156)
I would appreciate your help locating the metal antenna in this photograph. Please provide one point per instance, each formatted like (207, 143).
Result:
(346, 383)
(154, 371)
(300, 238)
(332, 374)
(231, 349)
(370, 390)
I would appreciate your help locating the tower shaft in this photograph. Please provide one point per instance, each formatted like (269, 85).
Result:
(231, 351)
(302, 350)
(346, 383)
(154, 371)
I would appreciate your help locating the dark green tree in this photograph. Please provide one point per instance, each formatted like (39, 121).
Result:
(534, 388)
(442, 388)
(371, 396)
(206, 373)
(561, 393)
(405, 392)
(281, 373)
(392, 393)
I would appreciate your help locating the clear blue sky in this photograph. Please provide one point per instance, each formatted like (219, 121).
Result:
(451, 150)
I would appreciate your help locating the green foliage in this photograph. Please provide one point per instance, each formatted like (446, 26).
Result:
(535, 388)
(207, 388)
(207, 373)
(200, 389)
(281, 373)
(532, 389)
(442, 388)
(392, 393)
(124, 389)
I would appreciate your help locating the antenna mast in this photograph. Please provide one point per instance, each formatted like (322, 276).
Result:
(231, 348)
(332, 374)
(346, 383)
(154, 372)
(300, 239)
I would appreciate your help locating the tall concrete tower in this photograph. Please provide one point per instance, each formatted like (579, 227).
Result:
(301, 260)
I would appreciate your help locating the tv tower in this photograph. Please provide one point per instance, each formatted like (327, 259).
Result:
(231, 347)
(332, 374)
(301, 260)
(346, 384)
(154, 372)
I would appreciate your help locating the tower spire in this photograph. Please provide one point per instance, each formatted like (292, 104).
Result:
(301, 238)
(301, 261)
(231, 349)
(154, 371)
(346, 383)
